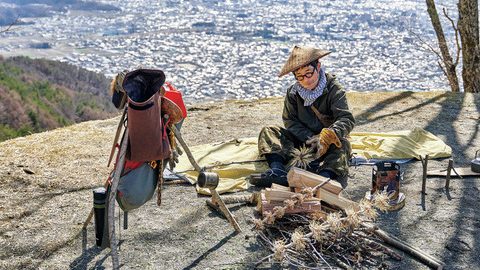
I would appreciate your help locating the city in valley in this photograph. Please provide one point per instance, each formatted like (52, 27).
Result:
(234, 49)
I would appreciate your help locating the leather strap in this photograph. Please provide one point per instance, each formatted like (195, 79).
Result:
(326, 120)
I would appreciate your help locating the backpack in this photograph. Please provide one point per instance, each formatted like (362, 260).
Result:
(148, 102)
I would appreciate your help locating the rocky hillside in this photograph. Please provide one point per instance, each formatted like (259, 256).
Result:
(46, 183)
(39, 94)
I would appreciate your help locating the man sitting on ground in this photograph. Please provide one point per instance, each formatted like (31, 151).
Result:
(315, 114)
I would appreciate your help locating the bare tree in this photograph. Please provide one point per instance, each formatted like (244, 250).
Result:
(449, 67)
(468, 32)
(9, 26)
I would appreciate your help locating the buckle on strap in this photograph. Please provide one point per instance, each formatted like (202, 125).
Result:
(153, 164)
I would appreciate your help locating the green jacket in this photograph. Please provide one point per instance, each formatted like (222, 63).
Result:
(302, 121)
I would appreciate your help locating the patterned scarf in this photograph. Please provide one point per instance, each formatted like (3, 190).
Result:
(309, 96)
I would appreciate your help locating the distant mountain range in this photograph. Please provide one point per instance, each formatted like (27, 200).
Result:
(11, 10)
(39, 94)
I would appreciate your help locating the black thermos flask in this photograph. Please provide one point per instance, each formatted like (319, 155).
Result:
(99, 199)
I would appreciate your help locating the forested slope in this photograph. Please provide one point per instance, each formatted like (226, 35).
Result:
(39, 94)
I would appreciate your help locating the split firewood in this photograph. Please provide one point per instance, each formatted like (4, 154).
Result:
(304, 208)
(280, 187)
(281, 195)
(338, 201)
(302, 178)
(248, 199)
(313, 206)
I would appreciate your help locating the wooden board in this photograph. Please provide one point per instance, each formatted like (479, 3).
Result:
(461, 171)
(302, 178)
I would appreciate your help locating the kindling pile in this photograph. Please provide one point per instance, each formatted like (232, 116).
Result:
(310, 224)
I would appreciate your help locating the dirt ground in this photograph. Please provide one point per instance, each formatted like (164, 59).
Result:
(46, 183)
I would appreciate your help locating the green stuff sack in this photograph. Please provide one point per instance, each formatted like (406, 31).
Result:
(136, 187)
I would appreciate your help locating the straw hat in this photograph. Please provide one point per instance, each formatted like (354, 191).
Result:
(300, 57)
(169, 106)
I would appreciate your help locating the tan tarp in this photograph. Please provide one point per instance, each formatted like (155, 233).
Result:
(399, 144)
(232, 176)
(235, 160)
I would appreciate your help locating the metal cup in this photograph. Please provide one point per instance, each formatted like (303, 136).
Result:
(208, 180)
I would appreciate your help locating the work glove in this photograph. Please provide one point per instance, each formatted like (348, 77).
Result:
(172, 162)
(322, 141)
(176, 151)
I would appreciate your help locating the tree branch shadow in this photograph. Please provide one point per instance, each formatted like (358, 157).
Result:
(466, 212)
(380, 106)
(212, 249)
(446, 117)
(39, 201)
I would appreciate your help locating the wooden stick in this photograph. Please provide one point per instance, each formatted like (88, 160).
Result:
(424, 177)
(413, 251)
(394, 255)
(87, 221)
(115, 140)
(178, 135)
(111, 201)
(176, 182)
(449, 171)
(217, 201)
(239, 199)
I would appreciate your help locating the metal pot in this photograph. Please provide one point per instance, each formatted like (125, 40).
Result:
(475, 164)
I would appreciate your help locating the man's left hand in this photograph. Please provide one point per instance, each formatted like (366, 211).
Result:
(322, 141)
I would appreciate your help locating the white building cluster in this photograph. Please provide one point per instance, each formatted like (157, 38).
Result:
(235, 49)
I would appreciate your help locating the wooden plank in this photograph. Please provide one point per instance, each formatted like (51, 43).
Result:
(461, 172)
(302, 178)
(332, 199)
